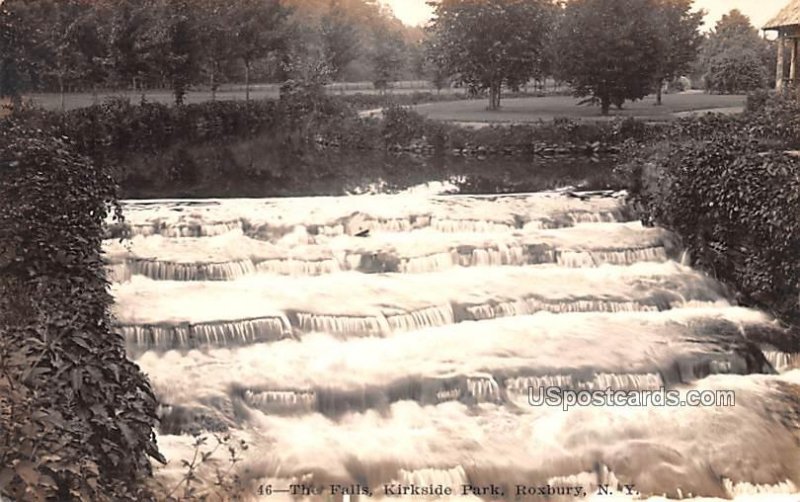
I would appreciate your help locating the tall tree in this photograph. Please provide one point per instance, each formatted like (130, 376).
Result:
(734, 58)
(680, 40)
(259, 28)
(489, 43)
(176, 45)
(609, 49)
(127, 41)
(69, 48)
(387, 57)
(340, 39)
(13, 54)
(216, 40)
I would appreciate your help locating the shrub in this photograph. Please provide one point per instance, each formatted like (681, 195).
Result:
(401, 125)
(76, 415)
(735, 71)
(728, 189)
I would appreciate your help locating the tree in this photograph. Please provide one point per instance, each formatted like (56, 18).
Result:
(216, 39)
(176, 45)
(387, 57)
(260, 27)
(680, 40)
(489, 43)
(127, 41)
(12, 51)
(610, 49)
(69, 47)
(734, 58)
(340, 39)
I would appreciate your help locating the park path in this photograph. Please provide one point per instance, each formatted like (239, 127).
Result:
(394, 340)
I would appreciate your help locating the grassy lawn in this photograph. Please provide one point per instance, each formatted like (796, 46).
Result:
(522, 110)
(52, 101)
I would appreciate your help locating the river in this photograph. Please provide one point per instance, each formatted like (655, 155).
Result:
(388, 340)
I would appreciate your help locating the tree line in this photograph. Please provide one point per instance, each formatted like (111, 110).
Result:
(58, 45)
(607, 51)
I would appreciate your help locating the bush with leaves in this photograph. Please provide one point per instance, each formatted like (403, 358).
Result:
(76, 416)
(206, 476)
(728, 188)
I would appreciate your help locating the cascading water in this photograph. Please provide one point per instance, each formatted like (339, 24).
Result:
(397, 341)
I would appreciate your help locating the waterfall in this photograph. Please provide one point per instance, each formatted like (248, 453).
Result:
(469, 226)
(169, 271)
(298, 267)
(483, 389)
(600, 381)
(343, 325)
(744, 488)
(422, 318)
(287, 401)
(381, 339)
(118, 272)
(430, 263)
(176, 230)
(189, 336)
(782, 361)
(530, 306)
(454, 477)
(581, 259)
(502, 255)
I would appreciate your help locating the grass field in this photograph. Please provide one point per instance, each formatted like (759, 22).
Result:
(516, 110)
(522, 110)
(52, 101)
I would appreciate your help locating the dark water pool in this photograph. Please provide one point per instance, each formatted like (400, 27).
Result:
(257, 168)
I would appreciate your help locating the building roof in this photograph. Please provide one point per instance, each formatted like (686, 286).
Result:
(789, 16)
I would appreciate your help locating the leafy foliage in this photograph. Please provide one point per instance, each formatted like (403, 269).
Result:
(487, 44)
(680, 40)
(611, 49)
(387, 57)
(734, 58)
(77, 416)
(207, 476)
(340, 38)
(726, 186)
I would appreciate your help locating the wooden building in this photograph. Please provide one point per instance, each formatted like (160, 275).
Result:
(787, 24)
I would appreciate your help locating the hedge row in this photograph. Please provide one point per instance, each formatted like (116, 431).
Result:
(730, 190)
(76, 416)
(402, 129)
(363, 101)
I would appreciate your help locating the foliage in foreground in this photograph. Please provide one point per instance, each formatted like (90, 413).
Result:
(76, 416)
(727, 186)
(206, 476)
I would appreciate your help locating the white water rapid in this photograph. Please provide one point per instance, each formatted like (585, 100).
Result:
(378, 341)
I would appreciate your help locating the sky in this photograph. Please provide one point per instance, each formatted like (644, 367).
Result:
(416, 12)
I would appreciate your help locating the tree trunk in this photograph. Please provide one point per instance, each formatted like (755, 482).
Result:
(660, 85)
(605, 104)
(213, 87)
(494, 96)
(61, 91)
(247, 80)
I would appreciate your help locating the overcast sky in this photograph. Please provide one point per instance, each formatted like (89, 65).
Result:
(415, 12)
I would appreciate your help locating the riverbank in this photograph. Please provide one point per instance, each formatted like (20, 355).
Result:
(727, 187)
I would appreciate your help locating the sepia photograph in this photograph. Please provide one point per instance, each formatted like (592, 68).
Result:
(399, 250)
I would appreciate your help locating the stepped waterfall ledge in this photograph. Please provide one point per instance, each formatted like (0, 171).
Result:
(378, 345)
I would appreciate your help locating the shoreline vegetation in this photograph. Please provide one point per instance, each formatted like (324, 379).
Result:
(79, 419)
(677, 169)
